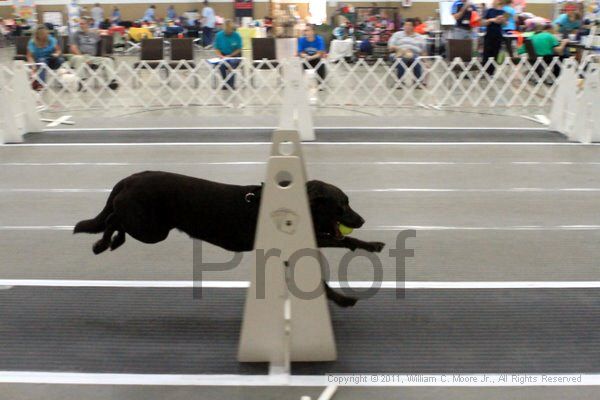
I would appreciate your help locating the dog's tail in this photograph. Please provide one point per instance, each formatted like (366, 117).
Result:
(98, 224)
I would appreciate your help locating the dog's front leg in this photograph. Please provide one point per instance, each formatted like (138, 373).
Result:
(349, 243)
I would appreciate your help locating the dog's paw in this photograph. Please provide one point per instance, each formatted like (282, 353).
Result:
(346, 302)
(100, 246)
(375, 247)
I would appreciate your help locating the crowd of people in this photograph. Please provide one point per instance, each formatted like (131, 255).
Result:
(171, 22)
(498, 25)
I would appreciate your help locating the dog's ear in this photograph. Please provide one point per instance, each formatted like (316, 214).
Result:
(315, 191)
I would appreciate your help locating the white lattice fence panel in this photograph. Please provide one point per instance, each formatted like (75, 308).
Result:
(260, 84)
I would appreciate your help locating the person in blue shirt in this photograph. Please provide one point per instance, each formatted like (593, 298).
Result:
(116, 16)
(461, 11)
(150, 14)
(171, 13)
(568, 23)
(510, 14)
(228, 46)
(44, 49)
(209, 20)
(493, 20)
(311, 48)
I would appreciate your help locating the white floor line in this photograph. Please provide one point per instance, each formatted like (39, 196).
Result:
(265, 128)
(371, 228)
(409, 285)
(383, 190)
(411, 380)
(120, 164)
(158, 144)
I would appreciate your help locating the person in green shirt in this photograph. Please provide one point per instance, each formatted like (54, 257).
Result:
(545, 43)
(228, 46)
(546, 46)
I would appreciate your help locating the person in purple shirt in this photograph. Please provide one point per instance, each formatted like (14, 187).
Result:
(311, 49)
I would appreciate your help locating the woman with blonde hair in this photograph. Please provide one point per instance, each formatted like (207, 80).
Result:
(44, 49)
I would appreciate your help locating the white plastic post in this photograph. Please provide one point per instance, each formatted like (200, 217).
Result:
(295, 110)
(564, 107)
(10, 131)
(586, 127)
(25, 97)
(278, 326)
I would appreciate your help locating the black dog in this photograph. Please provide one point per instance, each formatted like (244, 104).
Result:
(149, 204)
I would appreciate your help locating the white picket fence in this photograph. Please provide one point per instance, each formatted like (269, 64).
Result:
(360, 84)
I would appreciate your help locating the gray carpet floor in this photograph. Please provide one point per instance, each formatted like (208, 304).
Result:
(429, 331)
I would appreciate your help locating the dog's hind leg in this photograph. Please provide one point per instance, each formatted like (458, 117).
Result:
(104, 243)
(118, 240)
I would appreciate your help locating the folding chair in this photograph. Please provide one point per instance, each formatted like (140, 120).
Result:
(151, 55)
(183, 50)
(21, 43)
(264, 57)
(64, 44)
(106, 46)
(461, 49)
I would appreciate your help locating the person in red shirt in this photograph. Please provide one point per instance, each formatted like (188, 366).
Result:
(421, 27)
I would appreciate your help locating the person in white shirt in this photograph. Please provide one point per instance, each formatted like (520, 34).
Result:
(209, 21)
(97, 15)
(408, 46)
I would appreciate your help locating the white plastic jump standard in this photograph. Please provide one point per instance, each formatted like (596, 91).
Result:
(295, 110)
(586, 128)
(564, 106)
(19, 112)
(280, 325)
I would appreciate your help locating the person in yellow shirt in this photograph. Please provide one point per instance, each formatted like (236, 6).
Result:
(137, 34)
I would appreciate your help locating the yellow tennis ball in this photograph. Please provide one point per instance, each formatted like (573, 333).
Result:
(344, 230)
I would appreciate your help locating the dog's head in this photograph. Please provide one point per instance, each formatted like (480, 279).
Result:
(329, 207)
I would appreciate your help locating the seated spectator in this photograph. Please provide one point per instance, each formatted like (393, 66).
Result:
(311, 48)
(172, 30)
(568, 23)
(150, 14)
(44, 49)
(228, 45)
(407, 46)
(105, 25)
(547, 46)
(137, 33)
(84, 50)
